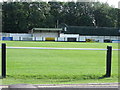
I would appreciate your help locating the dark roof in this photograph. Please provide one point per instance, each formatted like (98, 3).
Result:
(93, 31)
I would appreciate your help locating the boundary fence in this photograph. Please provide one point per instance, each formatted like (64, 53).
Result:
(66, 38)
(108, 56)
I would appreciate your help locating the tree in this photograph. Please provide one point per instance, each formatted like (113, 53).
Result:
(84, 14)
(118, 20)
(104, 15)
(55, 12)
(20, 17)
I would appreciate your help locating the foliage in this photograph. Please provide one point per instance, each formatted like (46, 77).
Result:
(23, 16)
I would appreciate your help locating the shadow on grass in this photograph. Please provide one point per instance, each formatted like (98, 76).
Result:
(104, 76)
(68, 77)
(1, 77)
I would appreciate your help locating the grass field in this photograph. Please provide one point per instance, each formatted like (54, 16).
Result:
(59, 44)
(58, 66)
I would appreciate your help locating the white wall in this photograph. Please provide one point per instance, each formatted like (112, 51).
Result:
(69, 35)
(5, 34)
(27, 38)
(63, 37)
(39, 38)
(82, 38)
(46, 34)
(20, 35)
(107, 37)
(114, 38)
(16, 38)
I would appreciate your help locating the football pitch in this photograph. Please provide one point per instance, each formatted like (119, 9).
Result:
(58, 66)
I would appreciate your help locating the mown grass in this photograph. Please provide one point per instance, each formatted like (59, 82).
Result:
(59, 44)
(58, 66)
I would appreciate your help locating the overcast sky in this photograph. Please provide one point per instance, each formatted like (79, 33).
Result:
(110, 2)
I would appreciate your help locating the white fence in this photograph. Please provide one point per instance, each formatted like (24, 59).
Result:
(77, 39)
(65, 37)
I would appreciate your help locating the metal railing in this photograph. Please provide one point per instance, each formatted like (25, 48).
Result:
(108, 56)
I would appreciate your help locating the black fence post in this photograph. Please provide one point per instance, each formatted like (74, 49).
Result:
(108, 61)
(3, 60)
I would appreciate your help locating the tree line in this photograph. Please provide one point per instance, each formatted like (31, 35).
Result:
(20, 17)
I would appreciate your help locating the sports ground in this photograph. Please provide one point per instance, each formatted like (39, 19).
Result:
(35, 66)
